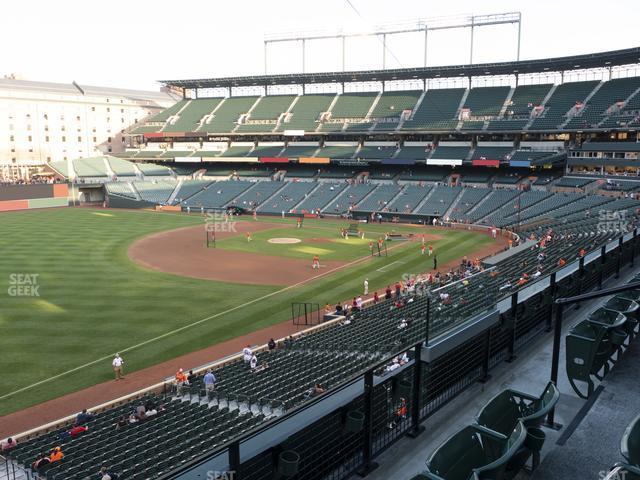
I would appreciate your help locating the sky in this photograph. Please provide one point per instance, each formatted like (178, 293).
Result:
(134, 43)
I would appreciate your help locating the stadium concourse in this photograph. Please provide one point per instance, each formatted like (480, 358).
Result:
(552, 167)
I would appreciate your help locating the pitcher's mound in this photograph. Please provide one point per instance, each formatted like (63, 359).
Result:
(284, 240)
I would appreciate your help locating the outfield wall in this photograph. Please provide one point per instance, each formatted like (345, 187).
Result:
(24, 197)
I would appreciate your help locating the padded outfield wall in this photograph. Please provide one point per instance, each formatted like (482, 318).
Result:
(24, 197)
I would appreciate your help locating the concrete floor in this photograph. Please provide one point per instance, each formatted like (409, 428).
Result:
(600, 430)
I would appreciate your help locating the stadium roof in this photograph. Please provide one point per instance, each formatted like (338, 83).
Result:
(577, 62)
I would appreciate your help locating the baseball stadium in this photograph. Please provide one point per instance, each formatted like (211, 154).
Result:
(424, 272)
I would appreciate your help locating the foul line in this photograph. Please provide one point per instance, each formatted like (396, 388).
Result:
(185, 327)
(383, 269)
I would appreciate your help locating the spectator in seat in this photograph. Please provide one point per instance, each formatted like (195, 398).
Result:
(123, 422)
(8, 445)
(78, 430)
(316, 390)
(400, 413)
(83, 417)
(150, 413)
(150, 404)
(56, 455)
(271, 345)
(209, 380)
(105, 474)
(255, 368)
(181, 380)
(191, 378)
(40, 462)
(247, 353)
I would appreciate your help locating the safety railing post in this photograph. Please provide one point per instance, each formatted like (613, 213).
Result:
(555, 360)
(514, 315)
(234, 460)
(368, 465)
(553, 292)
(416, 400)
(619, 258)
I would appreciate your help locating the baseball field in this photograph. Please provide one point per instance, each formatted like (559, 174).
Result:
(80, 284)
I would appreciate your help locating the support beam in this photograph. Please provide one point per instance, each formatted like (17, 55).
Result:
(426, 34)
(266, 71)
(555, 361)
(603, 253)
(384, 51)
(304, 52)
(512, 339)
(519, 32)
(368, 465)
(471, 47)
(234, 459)
(416, 400)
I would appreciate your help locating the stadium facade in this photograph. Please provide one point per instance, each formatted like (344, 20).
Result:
(42, 122)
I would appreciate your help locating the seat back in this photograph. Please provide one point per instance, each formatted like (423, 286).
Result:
(510, 448)
(458, 456)
(542, 406)
(630, 442)
(500, 414)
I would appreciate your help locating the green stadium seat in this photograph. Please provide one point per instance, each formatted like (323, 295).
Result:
(478, 453)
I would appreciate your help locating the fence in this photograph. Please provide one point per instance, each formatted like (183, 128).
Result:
(320, 431)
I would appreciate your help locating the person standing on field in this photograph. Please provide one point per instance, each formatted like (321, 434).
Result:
(316, 262)
(366, 286)
(422, 248)
(118, 367)
(430, 250)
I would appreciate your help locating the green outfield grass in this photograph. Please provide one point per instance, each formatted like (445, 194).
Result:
(93, 301)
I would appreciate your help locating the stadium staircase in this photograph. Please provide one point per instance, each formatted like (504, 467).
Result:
(329, 108)
(176, 114)
(367, 117)
(454, 204)
(207, 118)
(573, 113)
(414, 110)
(400, 193)
(505, 105)
(543, 104)
(621, 109)
(285, 114)
(132, 186)
(424, 200)
(247, 114)
(311, 192)
(174, 194)
(463, 100)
